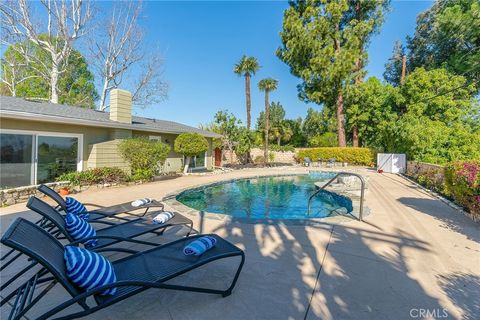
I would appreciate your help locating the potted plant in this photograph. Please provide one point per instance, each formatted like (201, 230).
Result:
(64, 191)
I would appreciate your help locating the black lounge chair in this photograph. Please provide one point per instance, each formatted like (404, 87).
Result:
(101, 212)
(135, 273)
(55, 223)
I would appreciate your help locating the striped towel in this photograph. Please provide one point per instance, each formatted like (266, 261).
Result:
(141, 202)
(200, 245)
(163, 217)
(76, 207)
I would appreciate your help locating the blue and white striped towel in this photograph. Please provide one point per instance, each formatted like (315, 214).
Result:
(141, 202)
(163, 217)
(199, 246)
(89, 270)
(80, 229)
(76, 207)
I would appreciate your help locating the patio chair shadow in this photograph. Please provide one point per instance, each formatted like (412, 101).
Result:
(451, 218)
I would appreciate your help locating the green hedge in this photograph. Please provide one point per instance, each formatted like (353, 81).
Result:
(462, 183)
(359, 156)
(95, 176)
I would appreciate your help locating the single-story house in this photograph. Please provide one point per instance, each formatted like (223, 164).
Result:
(41, 140)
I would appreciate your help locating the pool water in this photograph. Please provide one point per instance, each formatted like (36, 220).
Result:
(279, 197)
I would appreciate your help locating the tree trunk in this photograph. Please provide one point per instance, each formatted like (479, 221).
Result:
(187, 164)
(340, 121)
(355, 139)
(54, 83)
(247, 94)
(103, 96)
(278, 140)
(231, 154)
(267, 115)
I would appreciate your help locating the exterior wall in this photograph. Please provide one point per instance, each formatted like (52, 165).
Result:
(99, 144)
(279, 156)
(91, 135)
(105, 154)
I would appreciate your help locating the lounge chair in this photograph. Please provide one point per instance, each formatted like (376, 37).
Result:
(135, 273)
(110, 234)
(307, 162)
(101, 212)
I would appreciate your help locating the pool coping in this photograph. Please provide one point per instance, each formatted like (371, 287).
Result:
(171, 200)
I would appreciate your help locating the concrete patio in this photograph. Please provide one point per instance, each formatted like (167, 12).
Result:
(414, 257)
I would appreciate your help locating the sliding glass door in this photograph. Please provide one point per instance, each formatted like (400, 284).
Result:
(16, 160)
(55, 156)
(31, 158)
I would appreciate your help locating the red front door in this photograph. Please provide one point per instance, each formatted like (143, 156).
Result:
(218, 157)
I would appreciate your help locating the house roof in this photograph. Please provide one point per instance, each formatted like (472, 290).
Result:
(19, 108)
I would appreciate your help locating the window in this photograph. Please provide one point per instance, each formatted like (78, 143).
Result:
(197, 161)
(36, 157)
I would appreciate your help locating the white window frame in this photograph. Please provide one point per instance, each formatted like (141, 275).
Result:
(35, 134)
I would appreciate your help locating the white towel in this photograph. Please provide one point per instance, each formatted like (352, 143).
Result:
(141, 202)
(163, 217)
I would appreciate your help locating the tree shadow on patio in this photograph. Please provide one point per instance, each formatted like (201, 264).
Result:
(464, 291)
(451, 219)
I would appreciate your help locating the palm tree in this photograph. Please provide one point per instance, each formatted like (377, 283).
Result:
(247, 67)
(267, 85)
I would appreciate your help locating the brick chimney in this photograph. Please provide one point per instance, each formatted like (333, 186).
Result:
(120, 106)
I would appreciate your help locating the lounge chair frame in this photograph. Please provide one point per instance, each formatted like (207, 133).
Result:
(47, 251)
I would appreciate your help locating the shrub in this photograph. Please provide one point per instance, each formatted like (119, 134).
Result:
(259, 160)
(359, 156)
(190, 144)
(462, 183)
(144, 156)
(327, 139)
(95, 176)
(271, 156)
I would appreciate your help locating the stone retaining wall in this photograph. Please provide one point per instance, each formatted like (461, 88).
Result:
(279, 156)
(21, 194)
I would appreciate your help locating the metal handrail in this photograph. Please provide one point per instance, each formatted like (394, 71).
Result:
(362, 192)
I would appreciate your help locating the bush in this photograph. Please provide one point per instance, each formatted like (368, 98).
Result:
(259, 160)
(144, 156)
(95, 176)
(462, 183)
(190, 144)
(359, 156)
(328, 139)
(271, 156)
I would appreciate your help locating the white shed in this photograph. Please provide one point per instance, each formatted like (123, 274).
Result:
(392, 162)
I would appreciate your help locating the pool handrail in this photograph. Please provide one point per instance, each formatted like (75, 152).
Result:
(342, 173)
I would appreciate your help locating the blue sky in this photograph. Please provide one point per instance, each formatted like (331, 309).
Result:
(201, 41)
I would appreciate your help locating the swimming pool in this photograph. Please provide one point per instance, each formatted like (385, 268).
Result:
(277, 197)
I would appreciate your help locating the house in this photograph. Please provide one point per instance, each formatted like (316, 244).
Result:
(41, 140)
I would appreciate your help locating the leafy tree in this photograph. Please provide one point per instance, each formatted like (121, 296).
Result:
(190, 144)
(435, 118)
(372, 107)
(144, 156)
(246, 67)
(322, 41)
(75, 85)
(327, 139)
(279, 129)
(298, 138)
(318, 122)
(448, 35)
(267, 85)
(228, 126)
(393, 68)
(245, 142)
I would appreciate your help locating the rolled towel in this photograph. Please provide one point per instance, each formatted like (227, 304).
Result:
(141, 202)
(199, 246)
(163, 217)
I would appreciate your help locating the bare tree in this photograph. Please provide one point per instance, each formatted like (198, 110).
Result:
(14, 73)
(54, 31)
(118, 52)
